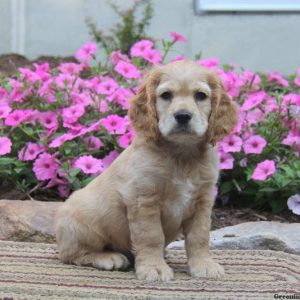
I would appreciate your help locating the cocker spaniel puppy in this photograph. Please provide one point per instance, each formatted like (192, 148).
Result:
(160, 185)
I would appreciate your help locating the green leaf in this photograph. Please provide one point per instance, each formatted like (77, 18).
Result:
(226, 187)
(4, 161)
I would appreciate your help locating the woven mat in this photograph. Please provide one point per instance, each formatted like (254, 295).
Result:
(32, 271)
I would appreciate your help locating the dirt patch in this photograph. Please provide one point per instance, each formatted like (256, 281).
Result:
(10, 63)
(227, 216)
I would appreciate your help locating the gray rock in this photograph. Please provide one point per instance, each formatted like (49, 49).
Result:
(258, 235)
(27, 220)
(255, 235)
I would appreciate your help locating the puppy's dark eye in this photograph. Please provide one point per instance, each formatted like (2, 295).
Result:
(166, 96)
(199, 96)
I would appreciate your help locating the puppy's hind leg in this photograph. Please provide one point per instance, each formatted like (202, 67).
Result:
(78, 244)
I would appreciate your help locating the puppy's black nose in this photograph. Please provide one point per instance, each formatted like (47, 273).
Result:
(182, 117)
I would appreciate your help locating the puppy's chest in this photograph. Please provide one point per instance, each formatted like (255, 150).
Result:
(179, 199)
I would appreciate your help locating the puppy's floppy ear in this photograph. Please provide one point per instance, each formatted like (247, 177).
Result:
(142, 110)
(223, 117)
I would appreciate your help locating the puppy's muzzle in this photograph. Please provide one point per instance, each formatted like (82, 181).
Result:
(182, 117)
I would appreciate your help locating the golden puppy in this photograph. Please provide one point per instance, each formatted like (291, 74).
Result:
(160, 185)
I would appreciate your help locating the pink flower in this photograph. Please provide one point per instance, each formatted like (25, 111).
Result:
(70, 68)
(292, 138)
(5, 145)
(45, 166)
(178, 58)
(63, 191)
(226, 161)
(88, 164)
(108, 159)
(263, 170)
(140, 48)
(73, 113)
(48, 119)
(275, 76)
(93, 143)
(86, 52)
(64, 80)
(294, 204)
(209, 63)
(114, 124)
(107, 87)
(231, 143)
(254, 116)
(178, 37)
(254, 144)
(253, 100)
(17, 117)
(153, 56)
(231, 81)
(251, 78)
(297, 81)
(60, 140)
(126, 139)
(116, 56)
(30, 151)
(127, 70)
(4, 111)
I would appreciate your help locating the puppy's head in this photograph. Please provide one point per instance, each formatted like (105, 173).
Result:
(182, 102)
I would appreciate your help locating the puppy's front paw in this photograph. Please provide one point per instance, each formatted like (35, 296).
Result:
(155, 272)
(206, 267)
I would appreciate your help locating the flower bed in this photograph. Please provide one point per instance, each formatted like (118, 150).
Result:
(58, 129)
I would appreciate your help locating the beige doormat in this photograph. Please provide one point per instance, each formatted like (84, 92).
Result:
(32, 271)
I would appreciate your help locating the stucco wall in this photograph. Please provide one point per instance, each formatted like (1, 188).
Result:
(255, 41)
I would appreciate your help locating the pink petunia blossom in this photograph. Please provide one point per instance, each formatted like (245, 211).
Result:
(254, 100)
(109, 158)
(86, 52)
(63, 191)
(64, 80)
(5, 145)
(209, 63)
(45, 166)
(294, 204)
(88, 164)
(60, 140)
(232, 82)
(226, 161)
(263, 170)
(92, 143)
(127, 70)
(121, 97)
(140, 48)
(114, 124)
(255, 144)
(70, 68)
(252, 78)
(153, 56)
(297, 81)
(73, 113)
(125, 140)
(275, 76)
(4, 111)
(116, 56)
(107, 87)
(178, 37)
(293, 138)
(254, 116)
(48, 119)
(178, 58)
(30, 151)
(231, 143)
(17, 117)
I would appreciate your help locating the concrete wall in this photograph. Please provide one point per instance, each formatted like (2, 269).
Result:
(57, 27)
